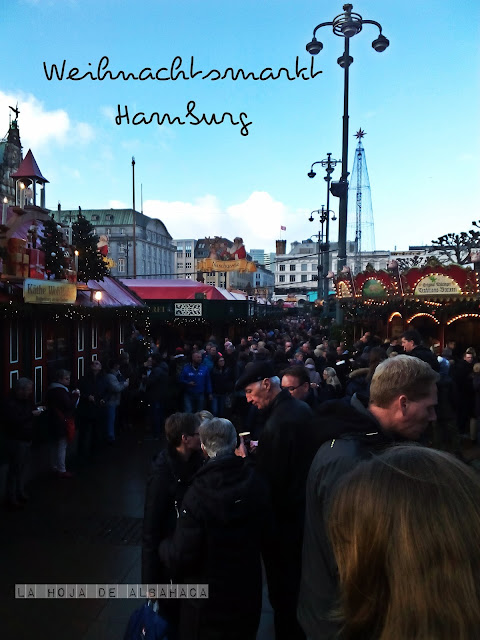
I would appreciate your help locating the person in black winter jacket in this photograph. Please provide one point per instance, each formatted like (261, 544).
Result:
(221, 530)
(222, 386)
(286, 446)
(403, 395)
(412, 344)
(91, 410)
(156, 385)
(18, 412)
(170, 476)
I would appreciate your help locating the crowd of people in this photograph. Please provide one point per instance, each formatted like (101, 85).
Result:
(320, 459)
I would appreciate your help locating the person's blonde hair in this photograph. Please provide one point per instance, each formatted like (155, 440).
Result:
(402, 375)
(404, 528)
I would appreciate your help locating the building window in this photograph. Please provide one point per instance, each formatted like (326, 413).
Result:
(80, 337)
(292, 278)
(188, 265)
(38, 340)
(108, 231)
(122, 231)
(304, 266)
(121, 247)
(304, 278)
(13, 341)
(281, 279)
(121, 265)
(292, 267)
(80, 368)
(188, 254)
(94, 336)
(282, 267)
(38, 385)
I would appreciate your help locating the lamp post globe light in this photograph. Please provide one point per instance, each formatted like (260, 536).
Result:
(345, 25)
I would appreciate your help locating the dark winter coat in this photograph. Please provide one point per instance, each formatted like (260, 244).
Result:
(357, 383)
(286, 448)
(422, 353)
(17, 418)
(218, 539)
(463, 378)
(222, 380)
(95, 386)
(351, 434)
(61, 404)
(170, 476)
(156, 383)
(476, 390)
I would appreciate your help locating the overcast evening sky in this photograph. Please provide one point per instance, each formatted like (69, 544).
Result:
(418, 102)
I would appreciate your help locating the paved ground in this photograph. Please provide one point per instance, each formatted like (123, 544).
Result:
(82, 530)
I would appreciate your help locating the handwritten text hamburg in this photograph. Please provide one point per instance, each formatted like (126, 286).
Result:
(176, 71)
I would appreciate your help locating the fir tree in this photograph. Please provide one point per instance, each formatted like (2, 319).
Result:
(53, 244)
(91, 265)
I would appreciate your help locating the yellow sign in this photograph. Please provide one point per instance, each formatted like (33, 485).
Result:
(210, 264)
(343, 290)
(437, 285)
(49, 292)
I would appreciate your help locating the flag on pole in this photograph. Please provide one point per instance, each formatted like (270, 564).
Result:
(283, 228)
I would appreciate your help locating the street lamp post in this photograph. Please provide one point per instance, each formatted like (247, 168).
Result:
(323, 254)
(329, 166)
(345, 25)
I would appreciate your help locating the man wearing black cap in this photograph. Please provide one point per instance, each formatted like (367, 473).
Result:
(286, 448)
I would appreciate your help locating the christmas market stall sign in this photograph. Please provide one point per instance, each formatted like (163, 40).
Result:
(437, 284)
(49, 292)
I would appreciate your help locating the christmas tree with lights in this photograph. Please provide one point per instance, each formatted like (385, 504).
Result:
(91, 265)
(53, 244)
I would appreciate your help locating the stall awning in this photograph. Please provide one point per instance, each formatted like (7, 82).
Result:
(171, 289)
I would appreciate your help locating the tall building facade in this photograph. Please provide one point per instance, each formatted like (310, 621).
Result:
(154, 252)
(185, 266)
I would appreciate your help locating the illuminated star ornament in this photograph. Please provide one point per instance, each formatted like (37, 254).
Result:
(360, 134)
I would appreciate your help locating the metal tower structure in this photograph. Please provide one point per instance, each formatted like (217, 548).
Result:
(360, 228)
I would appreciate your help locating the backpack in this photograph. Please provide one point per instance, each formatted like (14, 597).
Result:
(146, 624)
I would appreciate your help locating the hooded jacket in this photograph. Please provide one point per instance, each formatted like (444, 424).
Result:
(170, 476)
(351, 434)
(223, 523)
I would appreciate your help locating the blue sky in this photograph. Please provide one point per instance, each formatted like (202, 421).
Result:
(418, 103)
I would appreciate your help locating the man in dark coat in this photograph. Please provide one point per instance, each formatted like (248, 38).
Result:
(156, 393)
(218, 540)
(286, 447)
(403, 395)
(412, 344)
(296, 380)
(170, 476)
(91, 410)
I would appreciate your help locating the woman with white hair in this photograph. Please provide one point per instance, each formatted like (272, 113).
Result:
(331, 388)
(218, 539)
